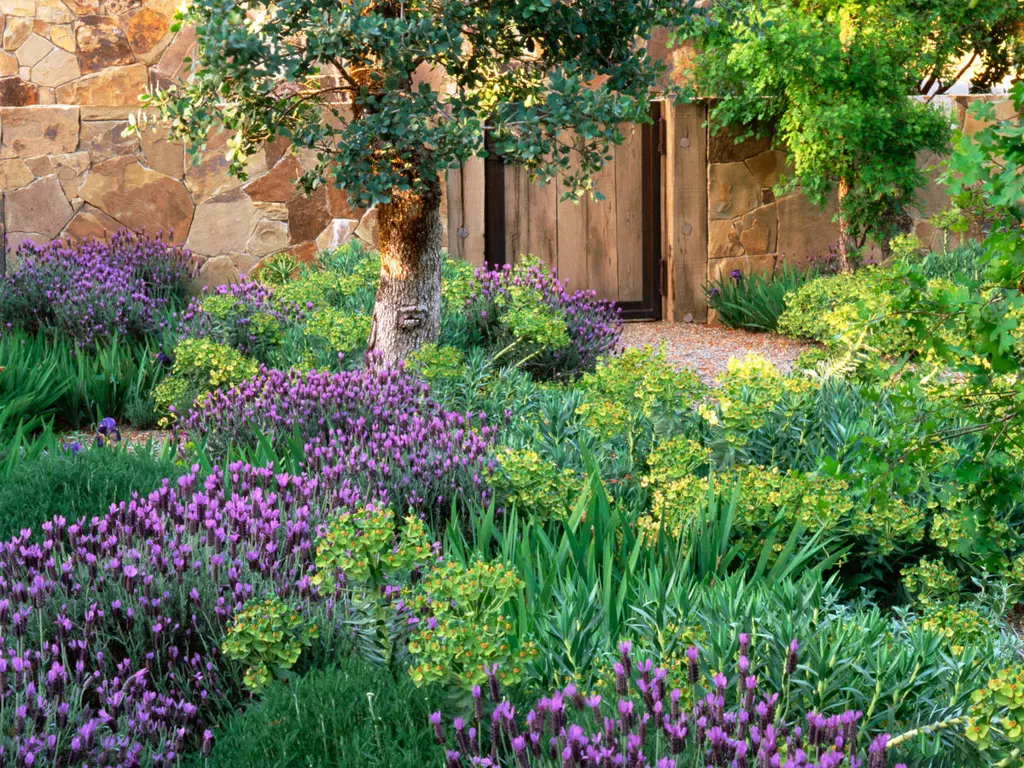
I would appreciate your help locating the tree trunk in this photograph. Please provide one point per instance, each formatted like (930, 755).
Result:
(844, 228)
(407, 312)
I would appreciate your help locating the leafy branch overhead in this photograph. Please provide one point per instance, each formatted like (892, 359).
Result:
(833, 82)
(389, 94)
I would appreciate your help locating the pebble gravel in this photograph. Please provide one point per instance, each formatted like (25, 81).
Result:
(707, 349)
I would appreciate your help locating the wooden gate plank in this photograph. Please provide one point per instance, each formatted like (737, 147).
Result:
(686, 194)
(629, 212)
(572, 242)
(602, 245)
(517, 223)
(466, 209)
(542, 213)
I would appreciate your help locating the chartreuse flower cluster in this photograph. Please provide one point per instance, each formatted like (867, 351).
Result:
(246, 316)
(960, 626)
(958, 529)
(225, 307)
(435, 362)
(637, 385)
(764, 493)
(931, 582)
(996, 720)
(674, 459)
(887, 521)
(366, 546)
(463, 632)
(535, 485)
(830, 308)
(200, 366)
(267, 636)
(333, 287)
(337, 330)
(750, 389)
(532, 325)
(458, 282)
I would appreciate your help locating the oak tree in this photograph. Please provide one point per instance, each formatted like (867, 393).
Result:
(389, 94)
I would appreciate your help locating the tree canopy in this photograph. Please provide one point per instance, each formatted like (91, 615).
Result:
(386, 95)
(390, 93)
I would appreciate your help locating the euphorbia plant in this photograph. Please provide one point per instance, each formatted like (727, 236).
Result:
(386, 95)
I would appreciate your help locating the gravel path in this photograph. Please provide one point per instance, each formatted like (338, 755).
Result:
(707, 349)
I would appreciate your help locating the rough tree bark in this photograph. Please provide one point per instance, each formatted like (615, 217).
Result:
(407, 312)
(844, 228)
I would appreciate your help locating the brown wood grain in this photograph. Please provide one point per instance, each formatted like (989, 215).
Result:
(629, 201)
(686, 196)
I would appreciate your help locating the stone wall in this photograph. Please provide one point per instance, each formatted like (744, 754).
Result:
(70, 74)
(748, 228)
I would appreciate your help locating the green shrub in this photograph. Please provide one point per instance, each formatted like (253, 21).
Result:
(78, 485)
(200, 366)
(437, 363)
(754, 301)
(342, 279)
(267, 637)
(855, 307)
(354, 714)
(535, 484)
(766, 497)
(634, 390)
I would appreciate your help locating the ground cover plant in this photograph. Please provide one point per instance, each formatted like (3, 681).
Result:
(327, 717)
(77, 480)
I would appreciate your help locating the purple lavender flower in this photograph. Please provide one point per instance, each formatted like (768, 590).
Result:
(375, 429)
(435, 721)
(88, 291)
(692, 669)
(791, 659)
(593, 324)
(637, 729)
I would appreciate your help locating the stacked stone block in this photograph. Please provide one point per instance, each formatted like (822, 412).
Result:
(71, 73)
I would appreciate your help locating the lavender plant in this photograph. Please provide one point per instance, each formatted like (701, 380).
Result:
(111, 627)
(245, 316)
(555, 334)
(717, 722)
(376, 429)
(92, 290)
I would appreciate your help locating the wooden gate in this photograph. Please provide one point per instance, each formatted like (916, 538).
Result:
(645, 241)
(612, 246)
